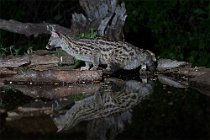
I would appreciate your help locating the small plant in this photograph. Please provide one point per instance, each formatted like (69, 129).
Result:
(91, 34)
(3, 51)
(2, 104)
(77, 97)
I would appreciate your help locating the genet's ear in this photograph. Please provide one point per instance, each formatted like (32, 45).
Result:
(54, 34)
(51, 28)
(48, 27)
(152, 55)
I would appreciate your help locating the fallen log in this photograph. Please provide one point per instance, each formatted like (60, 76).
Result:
(55, 76)
(43, 69)
(43, 60)
(4, 72)
(14, 62)
(31, 60)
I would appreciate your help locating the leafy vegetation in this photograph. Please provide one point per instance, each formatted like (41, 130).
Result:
(181, 27)
(91, 34)
(77, 97)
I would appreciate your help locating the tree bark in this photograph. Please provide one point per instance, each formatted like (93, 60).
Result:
(106, 17)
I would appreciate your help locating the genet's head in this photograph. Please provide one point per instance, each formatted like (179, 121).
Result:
(152, 55)
(151, 62)
(55, 40)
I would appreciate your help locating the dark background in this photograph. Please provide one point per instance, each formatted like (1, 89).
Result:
(175, 29)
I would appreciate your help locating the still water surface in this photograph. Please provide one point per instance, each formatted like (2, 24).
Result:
(116, 109)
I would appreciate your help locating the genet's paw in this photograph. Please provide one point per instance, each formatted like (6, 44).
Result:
(93, 68)
(144, 72)
(84, 68)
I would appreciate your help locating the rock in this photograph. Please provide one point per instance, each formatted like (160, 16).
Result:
(201, 83)
(165, 64)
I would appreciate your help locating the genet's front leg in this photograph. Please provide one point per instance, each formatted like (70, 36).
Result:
(143, 69)
(95, 67)
(110, 65)
(86, 67)
(95, 62)
(111, 68)
(108, 68)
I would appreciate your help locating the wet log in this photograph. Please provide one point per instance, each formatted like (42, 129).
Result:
(42, 69)
(55, 76)
(43, 60)
(4, 72)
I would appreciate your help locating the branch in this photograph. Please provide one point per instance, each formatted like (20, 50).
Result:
(29, 29)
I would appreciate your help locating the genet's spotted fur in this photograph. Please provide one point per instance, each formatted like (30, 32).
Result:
(116, 55)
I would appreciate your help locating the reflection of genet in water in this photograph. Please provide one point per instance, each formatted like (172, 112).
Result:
(108, 105)
(108, 127)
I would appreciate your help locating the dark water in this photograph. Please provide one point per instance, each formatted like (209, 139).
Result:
(117, 109)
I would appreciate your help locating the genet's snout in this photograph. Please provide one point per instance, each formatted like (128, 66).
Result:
(49, 47)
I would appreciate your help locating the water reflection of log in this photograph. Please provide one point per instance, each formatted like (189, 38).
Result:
(171, 82)
(55, 92)
(46, 98)
(194, 77)
(105, 104)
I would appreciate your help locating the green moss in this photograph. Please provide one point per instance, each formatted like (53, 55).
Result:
(77, 97)
(90, 35)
